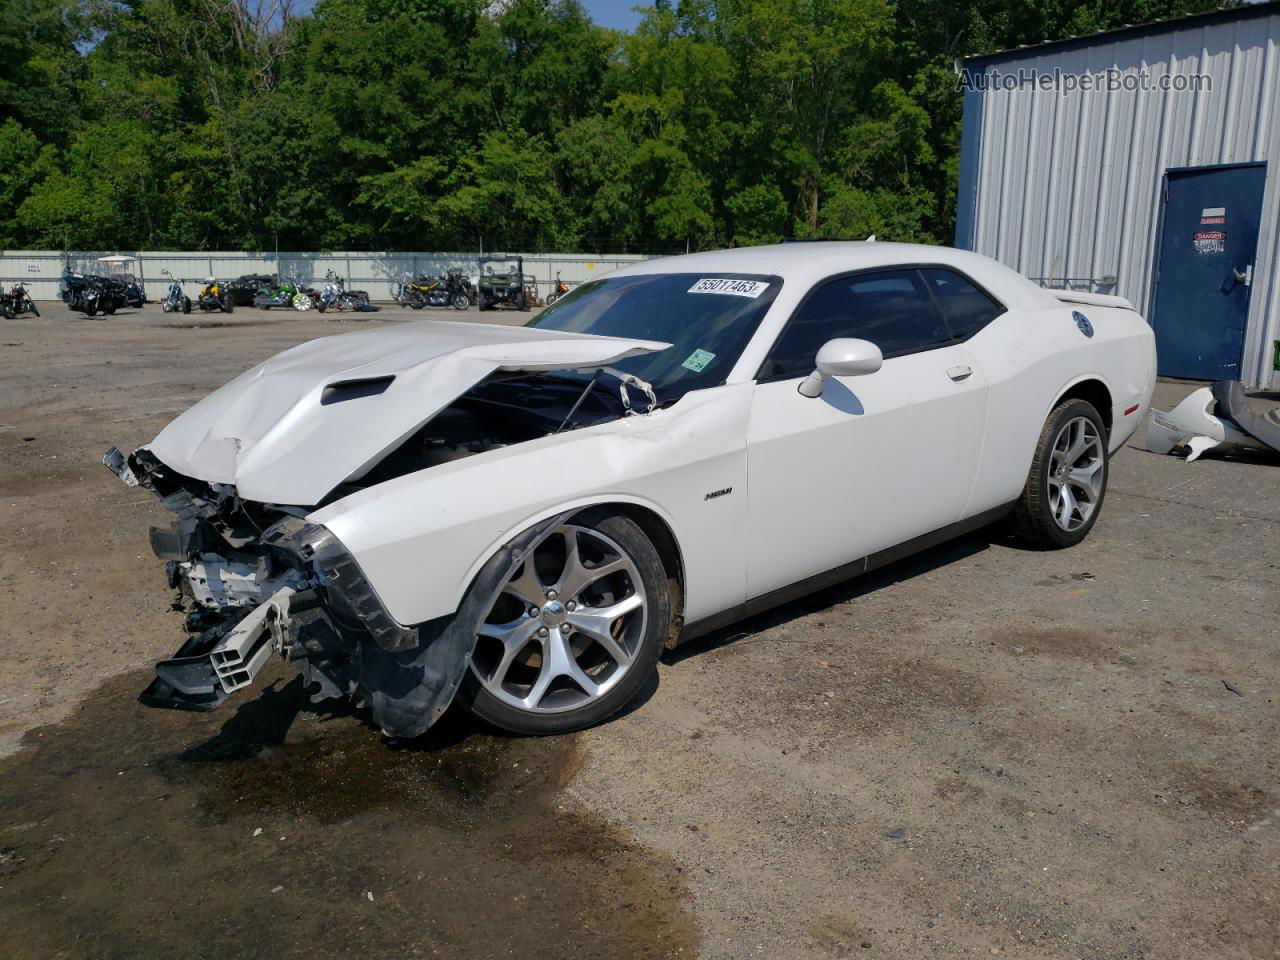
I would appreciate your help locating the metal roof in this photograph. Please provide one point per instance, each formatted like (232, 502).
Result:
(1189, 21)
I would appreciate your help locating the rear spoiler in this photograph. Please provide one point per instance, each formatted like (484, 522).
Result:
(1091, 299)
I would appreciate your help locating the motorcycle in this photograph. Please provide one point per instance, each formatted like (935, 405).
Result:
(86, 293)
(175, 301)
(17, 301)
(561, 289)
(336, 295)
(214, 296)
(287, 293)
(450, 290)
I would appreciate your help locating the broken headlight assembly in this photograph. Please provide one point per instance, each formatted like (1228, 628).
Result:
(254, 579)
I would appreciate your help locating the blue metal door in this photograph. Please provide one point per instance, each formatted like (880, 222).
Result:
(1204, 269)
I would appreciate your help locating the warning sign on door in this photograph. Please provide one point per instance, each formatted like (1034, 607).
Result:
(1210, 241)
(1213, 215)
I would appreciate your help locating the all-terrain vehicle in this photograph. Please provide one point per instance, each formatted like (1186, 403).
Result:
(502, 283)
(214, 295)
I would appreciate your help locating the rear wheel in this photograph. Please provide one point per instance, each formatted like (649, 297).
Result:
(1068, 478)
(574, 632)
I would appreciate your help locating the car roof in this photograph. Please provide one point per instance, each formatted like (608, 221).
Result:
(806, 263)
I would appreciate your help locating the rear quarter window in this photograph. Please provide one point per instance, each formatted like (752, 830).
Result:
(965, 306)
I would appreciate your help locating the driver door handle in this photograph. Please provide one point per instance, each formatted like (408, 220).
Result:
(960, 372)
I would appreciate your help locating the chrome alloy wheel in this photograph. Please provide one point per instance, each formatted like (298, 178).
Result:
(1076, 473)
(566, 626)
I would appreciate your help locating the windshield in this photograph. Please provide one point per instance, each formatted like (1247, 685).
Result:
(708, 321)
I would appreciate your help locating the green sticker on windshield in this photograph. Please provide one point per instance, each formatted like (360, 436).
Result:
(698, 360)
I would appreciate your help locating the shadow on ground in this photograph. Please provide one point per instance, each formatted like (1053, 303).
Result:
(277, 832)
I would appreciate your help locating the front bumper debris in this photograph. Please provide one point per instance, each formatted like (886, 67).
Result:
(1210, 417)
(253, 580)
(209, 668)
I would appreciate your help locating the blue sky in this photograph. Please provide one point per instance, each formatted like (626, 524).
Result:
(607, 13)
(615, 13)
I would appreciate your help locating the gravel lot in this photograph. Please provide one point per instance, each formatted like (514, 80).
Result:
(980, 751)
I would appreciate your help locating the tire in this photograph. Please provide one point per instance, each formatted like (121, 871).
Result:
(522, 301)
(8, 312)
(90, 310)
(186, 304)
(228, 305)
(552, 298)
(482, 303)
(1067, 482)
(460, 301)
(32, 307)
(497, 679)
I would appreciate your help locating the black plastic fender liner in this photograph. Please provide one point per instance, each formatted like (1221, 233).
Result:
(408, 691)
(1231, 401)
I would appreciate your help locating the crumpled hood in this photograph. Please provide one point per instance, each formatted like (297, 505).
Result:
(278, 436)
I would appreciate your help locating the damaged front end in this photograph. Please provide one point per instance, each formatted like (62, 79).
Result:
(254, 579)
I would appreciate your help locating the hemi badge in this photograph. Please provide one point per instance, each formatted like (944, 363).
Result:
(1132, 409)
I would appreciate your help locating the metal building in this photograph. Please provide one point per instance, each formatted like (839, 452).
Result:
(1145, 162)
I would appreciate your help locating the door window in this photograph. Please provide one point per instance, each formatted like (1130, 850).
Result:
(892, 308)
(965, 307)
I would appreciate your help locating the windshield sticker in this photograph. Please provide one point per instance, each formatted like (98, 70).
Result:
(737, 288)
(698, 360)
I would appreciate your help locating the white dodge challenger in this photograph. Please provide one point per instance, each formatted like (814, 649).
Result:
(520, 518)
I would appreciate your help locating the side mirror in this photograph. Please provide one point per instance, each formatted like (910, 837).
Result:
(842, 357)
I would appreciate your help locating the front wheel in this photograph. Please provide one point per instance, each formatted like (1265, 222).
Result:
(32, 307)
(574, 632)
(1068, 478)
(461, 301)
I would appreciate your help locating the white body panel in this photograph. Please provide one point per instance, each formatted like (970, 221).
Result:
(269, 433)
(759, 486)
(874, 461)
(421, 538)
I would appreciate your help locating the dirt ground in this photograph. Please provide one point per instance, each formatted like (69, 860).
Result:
(980, 751)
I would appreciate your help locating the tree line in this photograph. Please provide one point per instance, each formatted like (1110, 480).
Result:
(517, 124)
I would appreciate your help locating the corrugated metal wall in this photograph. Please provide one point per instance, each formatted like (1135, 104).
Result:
(1066, 188)
(375, 272)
